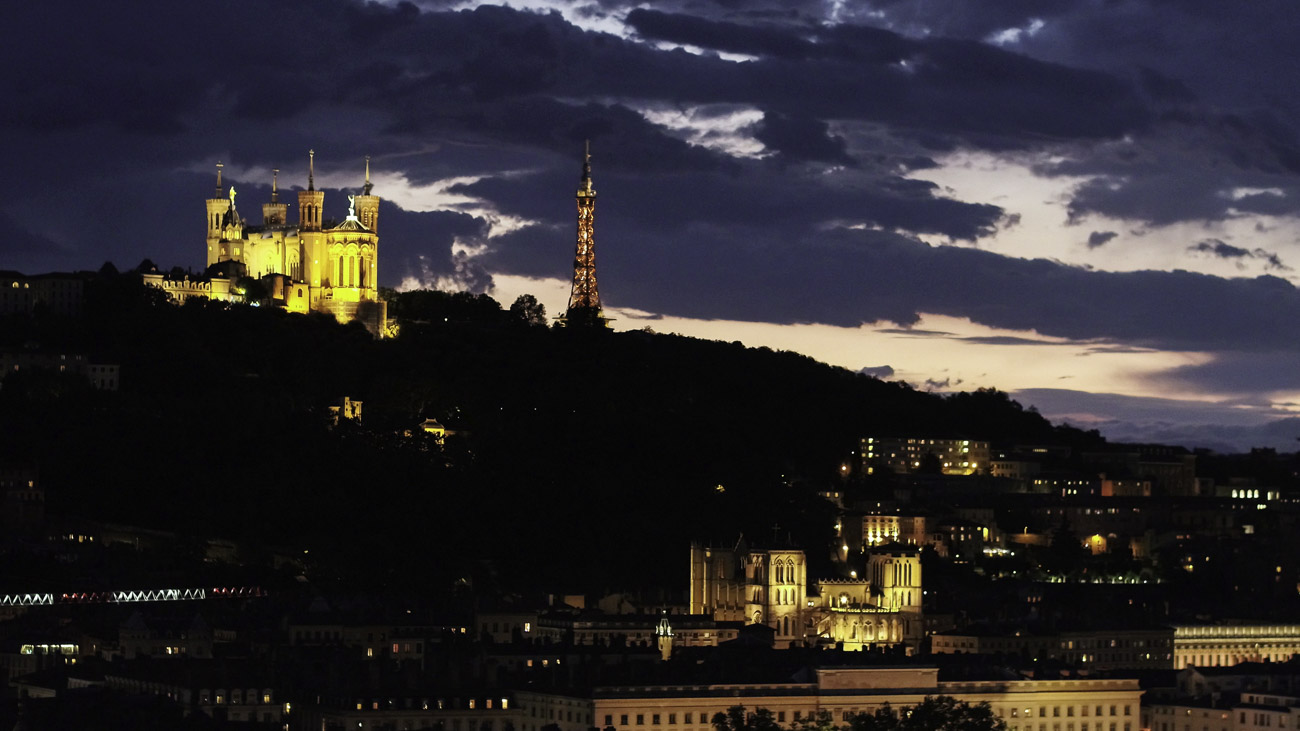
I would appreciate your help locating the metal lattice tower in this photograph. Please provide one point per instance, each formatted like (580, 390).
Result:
(584, 300)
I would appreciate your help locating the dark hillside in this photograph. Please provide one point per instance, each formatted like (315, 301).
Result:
(582, 458)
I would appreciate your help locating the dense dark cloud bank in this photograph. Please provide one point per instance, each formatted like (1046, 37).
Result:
(114, 118)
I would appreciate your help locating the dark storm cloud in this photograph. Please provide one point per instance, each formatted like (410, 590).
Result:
(666, 204)
(419, 244)
(721, 36)
(942, 90)
(1006, 340)
(1223, 111)
(491, 75)
(1224, 250)
(881, 372)
(1239, 372)
(1139, 409)
(1220, 249)
(915, 332)
(19, 244)
(978, 339)
(1280, 434)
(963, 19)
(845, 278)
(1207, 168)
(120, 108)
(1100, 238)
(1229, 426)
(801, 139)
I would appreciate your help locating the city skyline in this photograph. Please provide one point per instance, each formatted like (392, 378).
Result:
(1089, 206)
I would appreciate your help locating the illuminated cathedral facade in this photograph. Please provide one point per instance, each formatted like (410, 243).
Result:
(770, 587)
(308, 264)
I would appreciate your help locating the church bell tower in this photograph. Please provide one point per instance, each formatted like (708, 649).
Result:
(367, 204)
(275, 212)
(218, 206)
(310, 201)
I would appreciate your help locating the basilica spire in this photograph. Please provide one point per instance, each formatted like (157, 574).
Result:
(275, 213)
(310, 201)
(219, 193)
(368, 203)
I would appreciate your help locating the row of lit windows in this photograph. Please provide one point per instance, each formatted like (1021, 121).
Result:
(1069, 711)
(236, 697)
(1070, 727)
(657, 718)
(508, 626)
(436, 704)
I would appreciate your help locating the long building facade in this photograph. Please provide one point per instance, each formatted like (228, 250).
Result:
(1025, 705)
(1218, 645)
(1172, 648)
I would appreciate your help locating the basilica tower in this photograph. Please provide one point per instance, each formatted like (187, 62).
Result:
(275, 213)
(218, 206)
(367, 204)
(310, 203)
(584, 300)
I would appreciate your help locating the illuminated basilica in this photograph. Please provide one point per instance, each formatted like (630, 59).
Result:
(309, 265)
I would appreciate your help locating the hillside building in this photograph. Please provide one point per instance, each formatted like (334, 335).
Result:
(904, 455)
(311, 264)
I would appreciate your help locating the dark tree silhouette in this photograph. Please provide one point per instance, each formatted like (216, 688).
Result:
(527, 310)
(935, 713)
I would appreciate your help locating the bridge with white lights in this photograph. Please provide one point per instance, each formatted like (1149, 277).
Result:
(128, 597)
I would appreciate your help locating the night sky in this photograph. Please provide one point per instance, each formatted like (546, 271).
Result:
(1090, 204)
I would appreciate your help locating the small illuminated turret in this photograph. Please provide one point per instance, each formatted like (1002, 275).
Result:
(368, 205)
(664, 637)
(275, 213)
(310, 201)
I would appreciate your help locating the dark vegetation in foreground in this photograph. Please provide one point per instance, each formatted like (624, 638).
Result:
(934, 713)
(584, 460)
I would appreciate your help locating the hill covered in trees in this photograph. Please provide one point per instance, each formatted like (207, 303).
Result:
(580, 459)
